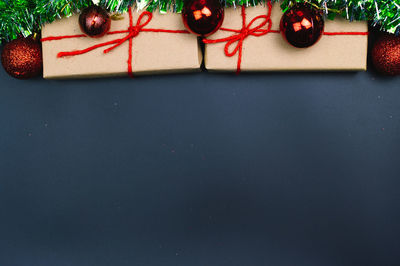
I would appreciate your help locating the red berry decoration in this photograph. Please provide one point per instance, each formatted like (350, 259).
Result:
(203, 17)
(22, 58)
(302, 26)
(386, 55)
(94, 21)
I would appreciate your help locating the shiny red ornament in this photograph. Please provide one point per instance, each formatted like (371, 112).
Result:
(22, 58)
(302, 26)
(386, 55)
(203, 17)
(94, 21)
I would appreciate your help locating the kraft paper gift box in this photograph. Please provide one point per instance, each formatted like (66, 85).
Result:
(271, 52)
(152, 52)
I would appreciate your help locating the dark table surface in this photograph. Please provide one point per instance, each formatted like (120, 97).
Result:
(201, 169)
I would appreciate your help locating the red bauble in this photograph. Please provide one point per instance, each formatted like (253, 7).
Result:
(94, 21)
(22, 58)
(386, 55)
(203, 17)
(302, 26)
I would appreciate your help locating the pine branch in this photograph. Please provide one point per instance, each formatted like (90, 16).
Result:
(382, 13)
(16, 19)
(48, 11)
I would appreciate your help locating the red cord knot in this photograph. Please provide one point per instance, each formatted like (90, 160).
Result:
(240, 35)
(133, 31)
(244, 32)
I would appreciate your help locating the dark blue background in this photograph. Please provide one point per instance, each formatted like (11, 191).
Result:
(201, 169)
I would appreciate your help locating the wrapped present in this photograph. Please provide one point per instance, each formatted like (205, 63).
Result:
(137, 43)
(250, 40)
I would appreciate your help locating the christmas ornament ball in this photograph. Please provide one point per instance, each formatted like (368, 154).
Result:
(202, 17)
(94, 21)
(302, 25)
(386, 55)
(22, 58)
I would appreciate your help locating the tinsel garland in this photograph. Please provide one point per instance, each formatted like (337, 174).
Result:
(25, 17)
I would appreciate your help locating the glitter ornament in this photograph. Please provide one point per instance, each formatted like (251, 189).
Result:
(22, 58)
(94, 21)
(302, 26)
(386, 55)
(203, 17)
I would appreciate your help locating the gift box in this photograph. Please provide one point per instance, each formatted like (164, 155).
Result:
(156, 43)
(342, 47)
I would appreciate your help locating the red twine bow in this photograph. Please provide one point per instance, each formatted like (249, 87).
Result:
(132, 32)
(243, 33)
(257, 31)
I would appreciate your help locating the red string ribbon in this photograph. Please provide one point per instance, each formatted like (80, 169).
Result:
(346, 33)
(256, 31)
(243, 33)
(132, 32)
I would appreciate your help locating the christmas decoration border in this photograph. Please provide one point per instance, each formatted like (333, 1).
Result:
(25, 17)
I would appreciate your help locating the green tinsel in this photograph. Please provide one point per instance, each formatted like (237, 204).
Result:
(47, 11)
(25, 17)
(17, 18)
(382, 13)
